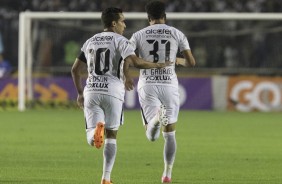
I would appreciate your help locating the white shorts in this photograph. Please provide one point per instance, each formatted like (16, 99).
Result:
(103, 108)
(151, 98)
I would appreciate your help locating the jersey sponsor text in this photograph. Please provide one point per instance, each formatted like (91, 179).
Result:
(158, 31)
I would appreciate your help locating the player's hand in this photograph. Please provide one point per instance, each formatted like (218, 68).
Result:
(169, 63)
(181, 61)
(164, 64)
(129, 84)
(80, 101)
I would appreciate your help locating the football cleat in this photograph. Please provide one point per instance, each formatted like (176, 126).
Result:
(166, 179)
(163, 119)
(106, 182)
(99, 135)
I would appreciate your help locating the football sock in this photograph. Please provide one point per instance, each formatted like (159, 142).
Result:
(169, 152)
(153, 129)
(110, 149)
(90, 136)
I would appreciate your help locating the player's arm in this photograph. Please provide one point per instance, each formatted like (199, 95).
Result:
(77, 71)
(188, 60)
(133, 60)
(129, 83)
(137, 62)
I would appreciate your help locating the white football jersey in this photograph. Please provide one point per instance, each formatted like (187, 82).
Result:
(104, 53)
(159, 42)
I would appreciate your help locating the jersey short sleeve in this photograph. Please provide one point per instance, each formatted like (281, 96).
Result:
(82, 57)
(133, 41)
(125, 48)
(183, 42)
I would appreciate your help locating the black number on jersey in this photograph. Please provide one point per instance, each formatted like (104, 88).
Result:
(156, 49)
(98, 69)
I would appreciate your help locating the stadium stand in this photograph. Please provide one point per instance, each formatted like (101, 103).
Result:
(9, 13)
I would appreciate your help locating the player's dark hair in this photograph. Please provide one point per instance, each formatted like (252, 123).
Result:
(109, 15)
(155, 9)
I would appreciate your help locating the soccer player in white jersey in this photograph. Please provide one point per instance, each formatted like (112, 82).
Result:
(158, 88)
(107, 56)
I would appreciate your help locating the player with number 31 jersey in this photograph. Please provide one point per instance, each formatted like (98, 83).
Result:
(159, 42)
(158, 88)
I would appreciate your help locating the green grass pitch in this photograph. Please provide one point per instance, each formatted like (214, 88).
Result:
(49, 146)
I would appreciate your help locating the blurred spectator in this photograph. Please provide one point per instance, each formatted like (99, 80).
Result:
(1, 47)
(5, 67)
(200, 52)
(71, 50)
(128, 5)
(231, 57)
(259, 54)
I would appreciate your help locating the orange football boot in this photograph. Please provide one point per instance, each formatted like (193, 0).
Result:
(99, 135)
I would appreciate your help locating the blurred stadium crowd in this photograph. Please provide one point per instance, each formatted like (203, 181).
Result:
(133, 6)
(258, 48)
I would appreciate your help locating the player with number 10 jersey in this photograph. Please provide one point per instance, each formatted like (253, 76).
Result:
(104, 52)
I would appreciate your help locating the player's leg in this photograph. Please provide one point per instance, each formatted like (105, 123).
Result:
(160, 119)
(150, 111)
(114, 118)
(170, 146)
(169, 151)
(109, 155)
(93, 114)
(152, 127)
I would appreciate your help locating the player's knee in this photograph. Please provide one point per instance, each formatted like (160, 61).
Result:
(169, 128)
(111, 133)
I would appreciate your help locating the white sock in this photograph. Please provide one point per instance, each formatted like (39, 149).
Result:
(169, 152)
(90, 136)
(110, 149)
(153, 129)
